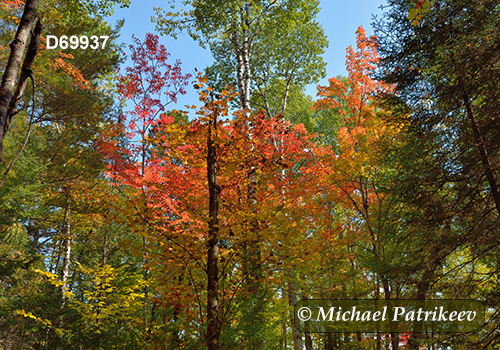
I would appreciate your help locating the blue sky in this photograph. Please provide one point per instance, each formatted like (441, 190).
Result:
(340, 19)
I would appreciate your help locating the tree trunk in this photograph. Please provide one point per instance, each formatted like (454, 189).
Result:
(283, 344)
(437, 255)
(252, 264)
(243, 73)
(176, 334)
(12, 69)
(332, 341)
(309, 341)
(285, 96)
(414, 341)
(377, 297)
(387, 295)
(66, 233)
(103, 263)
(292, 300)
(242, 52)
(213, 322)
(105, 252)
(79, 260)
(247, 77)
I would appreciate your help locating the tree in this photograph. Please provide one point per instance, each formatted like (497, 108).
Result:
(245, 27)
(8, 99)
(280, 61)
(12, 88)
(152, 84)
(446, 82)
(461, 87)
(51, 148)
(179, 192)
(255, 34)
(358, 176)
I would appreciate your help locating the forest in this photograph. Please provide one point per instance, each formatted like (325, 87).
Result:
(130, 221)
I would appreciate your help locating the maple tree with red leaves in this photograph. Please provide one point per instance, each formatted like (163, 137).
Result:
(180, 201)
(354, 99)
(190, 188)
(151, 84)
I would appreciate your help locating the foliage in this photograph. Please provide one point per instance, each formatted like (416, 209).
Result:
(283, 59)
(165, 228)
(168, 190)
(264, 48)
(415, 14)
(444, 69)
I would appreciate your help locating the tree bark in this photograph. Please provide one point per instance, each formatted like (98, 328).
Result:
(292, 300)
(285, 96)
(103, 263)
(247, 77)
(387, 295)
(25, 69)
(105, 251)
(243, 70)
(66, 233)
(309, 341)
(242, 51)
(252, 264)
(12, 69)
(213, 322)
(283, 344)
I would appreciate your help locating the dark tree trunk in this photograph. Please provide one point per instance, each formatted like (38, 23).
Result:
(213, 322)
(292, 300)
(17, 47)
(309, 341)
(388, 296)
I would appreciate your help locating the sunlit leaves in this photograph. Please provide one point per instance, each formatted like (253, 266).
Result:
(416, 13)
(353, 98)
(168, 190)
